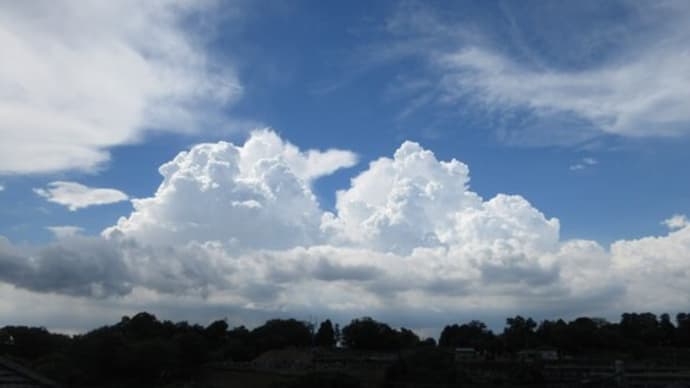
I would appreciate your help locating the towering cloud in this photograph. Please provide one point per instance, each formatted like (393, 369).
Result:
(414, 200)
(253, 196)
(239, 226)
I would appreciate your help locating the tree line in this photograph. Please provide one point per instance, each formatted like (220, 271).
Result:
(143, 349)
(634, 333)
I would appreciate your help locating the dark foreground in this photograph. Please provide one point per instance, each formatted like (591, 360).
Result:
(639, 351)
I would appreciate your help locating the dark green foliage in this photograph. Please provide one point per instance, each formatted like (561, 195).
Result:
(519, 333)
(474, 334)
(425, 366)
(325, 336)
(281, 333)
(239, 346)
(557, 334)
(666, 329)
(642, 328)
(193, 349)
(31, 342)
(407, 339)
(216, 332)
(141, 326)
(151, 360)
(368, 334)
(143, 351)
(428, 343)
(683, 331)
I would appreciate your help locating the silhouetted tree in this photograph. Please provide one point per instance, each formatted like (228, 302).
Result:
(474, 334)
(367, 334)
(143, 326)
(240, 346)
(683, 329)
(143, 351)
(216, 330)
(407, 339)
(519, 333)
(193, 348)
(216, 336)
(584, 332)
(555, 333)
(281, 333)
(667, 331)
(325, 336)
(640, 328)
(31, 342)
(428, 342)
(152, 359)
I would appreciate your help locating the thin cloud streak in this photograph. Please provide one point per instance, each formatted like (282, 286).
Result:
(76, 196)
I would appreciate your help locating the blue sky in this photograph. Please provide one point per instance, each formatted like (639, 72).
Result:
(578, 107)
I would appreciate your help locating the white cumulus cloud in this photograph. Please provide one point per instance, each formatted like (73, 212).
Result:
(257, 195)
(677, 221)
(244, 222)
(82, 77)
(414, 200)
(77, 196)
(656, 268)
(407, 233)
(238, 227)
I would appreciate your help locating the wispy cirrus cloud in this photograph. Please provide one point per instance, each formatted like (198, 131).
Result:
(550, 81)
(76, 196)
(583, 164)
(64, 231)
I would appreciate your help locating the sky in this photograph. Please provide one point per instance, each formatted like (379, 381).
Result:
(423, 163)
